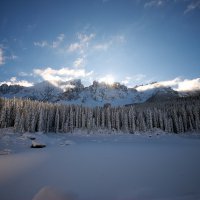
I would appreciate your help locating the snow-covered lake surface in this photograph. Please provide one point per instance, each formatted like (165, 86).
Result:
(100, 167)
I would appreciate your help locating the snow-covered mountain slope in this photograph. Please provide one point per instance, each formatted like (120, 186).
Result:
(43, 91)
(194, 93)
(10, 90)
(97, 94)
(162, 94)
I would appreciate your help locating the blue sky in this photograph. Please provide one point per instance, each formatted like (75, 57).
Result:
(130, 41)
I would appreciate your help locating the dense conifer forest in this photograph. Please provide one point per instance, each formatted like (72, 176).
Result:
(177, 116)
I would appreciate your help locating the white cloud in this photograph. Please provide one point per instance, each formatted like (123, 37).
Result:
(177, 84)
(41, 44)
(61, 37)
(54, 44)
(64, 74)
(154, 3)
(108, 79)
(74, 47)
(171, 83)
(191, 4)
(126, 81)
(131, 81)
(83, 43)
(195, 4)
(81, 47)
(188, 85)
(58, 41)
(14, 81)
(79, 62)
(2, 58)
(85, 38)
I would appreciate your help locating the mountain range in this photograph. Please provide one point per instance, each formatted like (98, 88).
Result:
(97, 94)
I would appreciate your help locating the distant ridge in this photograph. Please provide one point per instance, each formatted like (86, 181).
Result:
(97, 94)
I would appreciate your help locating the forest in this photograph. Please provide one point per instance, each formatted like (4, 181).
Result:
(175, 116)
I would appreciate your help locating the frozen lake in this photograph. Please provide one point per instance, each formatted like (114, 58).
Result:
(101, 167)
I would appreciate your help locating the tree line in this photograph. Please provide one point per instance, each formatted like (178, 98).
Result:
(180, 115)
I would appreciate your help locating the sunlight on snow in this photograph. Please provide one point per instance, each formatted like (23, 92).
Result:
(108, 79)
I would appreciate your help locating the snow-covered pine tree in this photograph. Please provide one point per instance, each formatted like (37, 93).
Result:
(102, 118)
(26, 115)
(71, 119)
(57, 120)
(83, 118)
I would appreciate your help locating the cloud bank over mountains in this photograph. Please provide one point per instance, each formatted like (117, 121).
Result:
(178, 84)
(58, 77)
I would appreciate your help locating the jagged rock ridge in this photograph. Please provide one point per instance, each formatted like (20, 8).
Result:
(96, 94)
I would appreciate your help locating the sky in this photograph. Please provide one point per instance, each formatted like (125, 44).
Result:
(128, 41)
